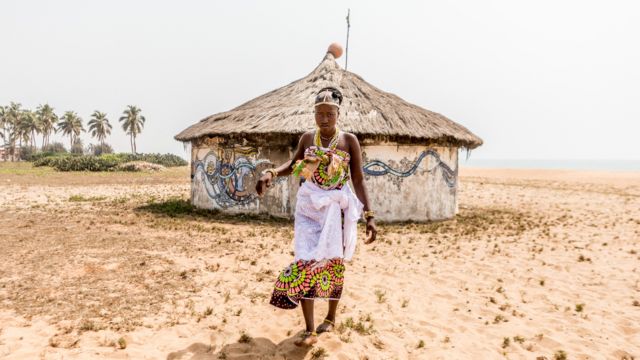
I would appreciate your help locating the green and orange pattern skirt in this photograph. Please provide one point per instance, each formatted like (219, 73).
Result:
(308, 279)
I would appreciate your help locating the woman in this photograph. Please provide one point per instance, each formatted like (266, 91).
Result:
(326, 215)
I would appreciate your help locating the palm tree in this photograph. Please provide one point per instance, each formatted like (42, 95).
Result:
(99, 126)
(4, 123)
(70, 124)
(47, 120)
(132, 124)
(28, 126)
(12, 115)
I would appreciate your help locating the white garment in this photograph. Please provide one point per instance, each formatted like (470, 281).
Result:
(318, 232)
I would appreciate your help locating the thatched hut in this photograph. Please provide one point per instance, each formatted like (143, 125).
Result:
(410, 153)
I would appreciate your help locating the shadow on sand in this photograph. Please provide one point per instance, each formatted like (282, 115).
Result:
(182, 209)
(257, 348)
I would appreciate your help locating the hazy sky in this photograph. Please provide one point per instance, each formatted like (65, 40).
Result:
(534, 79)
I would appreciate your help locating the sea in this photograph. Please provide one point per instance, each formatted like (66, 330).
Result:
(581, 164)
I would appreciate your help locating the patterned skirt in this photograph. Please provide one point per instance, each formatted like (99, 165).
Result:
(308, 279)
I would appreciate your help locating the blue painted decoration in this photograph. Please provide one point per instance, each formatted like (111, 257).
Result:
(226, 176)
(379, 168)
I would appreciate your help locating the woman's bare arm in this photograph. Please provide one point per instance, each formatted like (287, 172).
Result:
(286, 168)
(357, 178)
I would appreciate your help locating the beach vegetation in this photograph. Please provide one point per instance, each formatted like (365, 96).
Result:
(560, 355)
(319, 353)
(132, 124)
(245, 338)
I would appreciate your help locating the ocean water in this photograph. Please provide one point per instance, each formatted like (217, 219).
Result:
(608, 165)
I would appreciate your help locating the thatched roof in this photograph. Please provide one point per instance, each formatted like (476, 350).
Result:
(366, 111)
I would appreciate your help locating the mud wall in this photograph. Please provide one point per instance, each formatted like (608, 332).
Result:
(404, 182)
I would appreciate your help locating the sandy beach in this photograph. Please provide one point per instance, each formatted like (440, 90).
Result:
(538, 264)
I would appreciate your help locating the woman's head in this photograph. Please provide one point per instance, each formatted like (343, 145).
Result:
(327, 107)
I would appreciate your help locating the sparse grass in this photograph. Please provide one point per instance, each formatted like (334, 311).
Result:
(88, 325)
(245, 338)
(380, 295)
(319, 353)
(519, 339)
(498, 319)
(80, 198)
(361, 326)
(472, 222)
(179, 207)
(24, 168)
(174, 207)
(560, 355)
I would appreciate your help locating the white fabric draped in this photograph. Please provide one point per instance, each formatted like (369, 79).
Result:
(318, 231)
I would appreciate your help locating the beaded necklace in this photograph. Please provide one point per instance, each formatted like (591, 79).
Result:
(329, 172)
(334, 139)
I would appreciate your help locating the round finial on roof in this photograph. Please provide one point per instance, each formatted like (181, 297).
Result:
(335, 49)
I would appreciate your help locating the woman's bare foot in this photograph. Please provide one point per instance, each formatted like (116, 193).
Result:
(326, 326)
(307, 338)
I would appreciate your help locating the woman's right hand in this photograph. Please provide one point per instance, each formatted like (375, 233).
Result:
(263, 183)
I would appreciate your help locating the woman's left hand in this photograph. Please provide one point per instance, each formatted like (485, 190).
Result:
(372, 231)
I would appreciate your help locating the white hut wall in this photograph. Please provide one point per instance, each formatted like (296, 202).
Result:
(405, 182)
(411, 182)
(224, 173)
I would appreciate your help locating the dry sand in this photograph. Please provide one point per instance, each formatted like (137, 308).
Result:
(537, 264)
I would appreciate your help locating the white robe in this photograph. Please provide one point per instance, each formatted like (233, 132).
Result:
(318, 232)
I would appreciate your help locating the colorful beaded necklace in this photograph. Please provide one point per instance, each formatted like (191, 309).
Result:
(334, 139)
(321, 174)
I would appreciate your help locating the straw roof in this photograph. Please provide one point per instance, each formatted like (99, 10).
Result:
(366, 111)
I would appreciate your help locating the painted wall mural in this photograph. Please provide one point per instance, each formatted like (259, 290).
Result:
(407, 168)
(229, 174)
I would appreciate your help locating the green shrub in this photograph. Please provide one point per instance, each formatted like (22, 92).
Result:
(26, 152)
(49, 159)
(105, 162)
(41, 155)
(168, 160)
(83, 163)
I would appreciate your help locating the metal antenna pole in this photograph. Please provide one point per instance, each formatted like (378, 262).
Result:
(346, 56)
